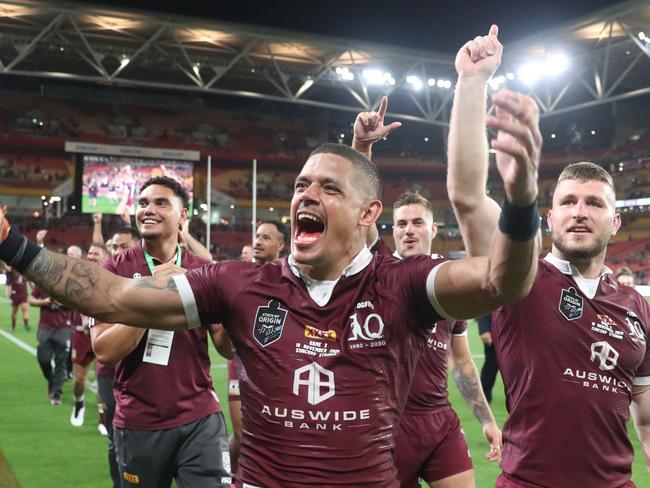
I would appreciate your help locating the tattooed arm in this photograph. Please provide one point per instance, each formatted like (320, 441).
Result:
(93, 291)
(469, 384)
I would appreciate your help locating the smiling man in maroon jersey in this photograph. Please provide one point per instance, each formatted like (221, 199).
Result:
(329, 336)
(165, 402)
(573, 353)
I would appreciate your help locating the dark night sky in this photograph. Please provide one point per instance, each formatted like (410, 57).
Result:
(436, 25)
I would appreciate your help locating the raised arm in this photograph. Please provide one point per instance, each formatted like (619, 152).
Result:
(98, 236)
(369, 128)
(90, 289)
(507, 274)
(477, 214)
(194, 246)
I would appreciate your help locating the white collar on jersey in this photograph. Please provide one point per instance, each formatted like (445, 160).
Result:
(588, 286)
(433, 255)
(321, 290)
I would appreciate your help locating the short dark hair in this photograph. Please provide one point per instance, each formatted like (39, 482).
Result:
(170, 183)
(412, 198)
(128, 230)
(282, 229)
(586, 171)
(366, 169)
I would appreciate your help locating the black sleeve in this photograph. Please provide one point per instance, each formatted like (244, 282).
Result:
(484, 324)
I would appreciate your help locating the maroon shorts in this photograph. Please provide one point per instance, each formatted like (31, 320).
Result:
(431, 447)
(505, 481)
(82, 351)
(18, 297)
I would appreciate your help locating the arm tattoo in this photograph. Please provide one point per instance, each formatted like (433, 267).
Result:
(469, 385)
(152, 282)
(69, 280)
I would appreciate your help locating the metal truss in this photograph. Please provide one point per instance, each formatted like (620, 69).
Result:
(608, 60)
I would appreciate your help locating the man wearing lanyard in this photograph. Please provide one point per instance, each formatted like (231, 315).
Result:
(165, 402)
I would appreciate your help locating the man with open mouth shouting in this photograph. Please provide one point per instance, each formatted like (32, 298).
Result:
(329, 336)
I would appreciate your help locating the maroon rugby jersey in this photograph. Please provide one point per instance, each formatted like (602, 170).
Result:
(18, 285)
(52, 317)
(324, 385)
(154, 397)
(429, 388)
(429, 392)
(568, 364)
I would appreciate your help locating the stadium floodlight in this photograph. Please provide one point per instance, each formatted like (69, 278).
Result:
(510, 76)
(496, 81)
(125, 61)
(375, 76)
(553, 136)
(415, 82)
(556, 63)
(593, 132)
(445, 84)
(431, 82)
(197, 68)
(529, 73)
(344, 73)
(55, 199)
(642, 36)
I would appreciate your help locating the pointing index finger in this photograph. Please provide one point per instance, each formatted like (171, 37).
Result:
(382, 107)
(494, 31)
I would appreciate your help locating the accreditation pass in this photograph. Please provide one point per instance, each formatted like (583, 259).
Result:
(158, 346)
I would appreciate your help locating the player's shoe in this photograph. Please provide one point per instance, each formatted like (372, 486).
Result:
(56, 399)
(101, 428)
(78, 413)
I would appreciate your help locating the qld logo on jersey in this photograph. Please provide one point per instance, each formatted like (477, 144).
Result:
(571, 304)
(366, 332)
(269, 322)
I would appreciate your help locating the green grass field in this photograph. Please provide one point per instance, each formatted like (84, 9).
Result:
(43, 450)
(104, 205)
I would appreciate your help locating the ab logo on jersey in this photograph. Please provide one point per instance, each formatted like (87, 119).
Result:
(571, 304)
(269, 322)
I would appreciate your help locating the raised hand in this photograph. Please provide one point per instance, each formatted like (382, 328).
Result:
(480, 57)
(40, 236)
(518, 145)
(97, 218)
(369, 127)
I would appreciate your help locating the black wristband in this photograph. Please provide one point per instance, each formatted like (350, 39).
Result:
(520, 224)
(17, 251)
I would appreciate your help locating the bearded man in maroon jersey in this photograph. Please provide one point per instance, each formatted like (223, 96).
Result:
(573, 354)
(330, 335)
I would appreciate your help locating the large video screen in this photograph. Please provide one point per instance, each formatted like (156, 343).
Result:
(110, 184)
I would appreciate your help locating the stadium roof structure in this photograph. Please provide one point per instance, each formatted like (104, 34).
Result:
(600, 59)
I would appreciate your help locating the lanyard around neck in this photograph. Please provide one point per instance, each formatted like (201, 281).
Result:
(149, 259)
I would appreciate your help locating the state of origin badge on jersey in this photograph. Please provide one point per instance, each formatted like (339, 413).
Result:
(571, 304)
(269, 322)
